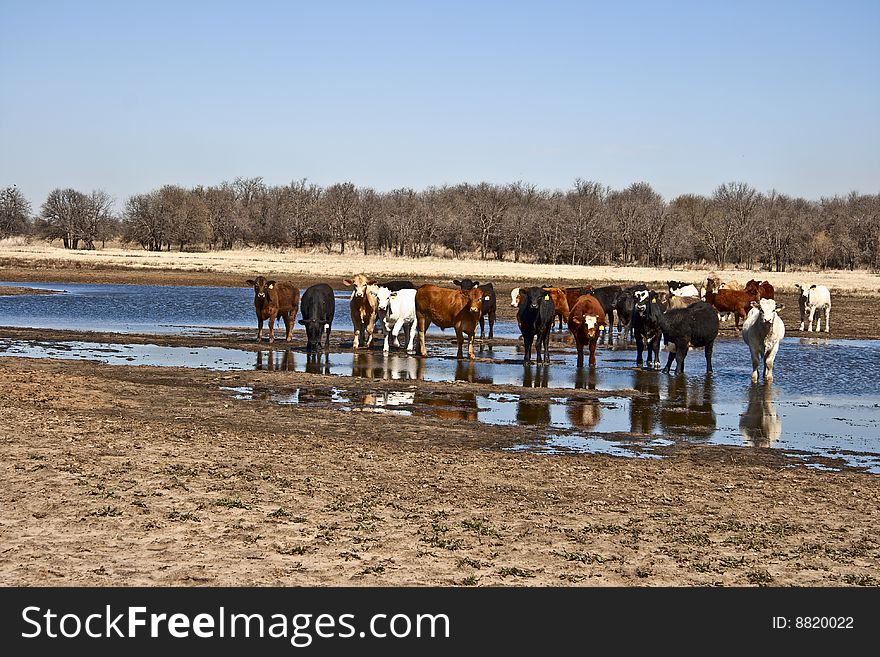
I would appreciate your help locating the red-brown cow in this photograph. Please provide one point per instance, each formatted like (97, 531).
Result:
(762, 290)
(273, 300)
(730, 301)
(585, 322)
(458, 309)
(572, 294)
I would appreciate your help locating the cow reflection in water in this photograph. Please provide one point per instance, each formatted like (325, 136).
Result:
(467, 371)
(584, 413)
(395, 367)
(536, 377)
(462, 406)
(532, 412)
(760, 425)
(644, 407)
(687, 409)
(585, 379)
(272, 360)
(391, 401)
(318, 362)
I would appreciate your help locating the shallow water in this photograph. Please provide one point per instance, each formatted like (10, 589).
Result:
(823, 402)
(164, 309)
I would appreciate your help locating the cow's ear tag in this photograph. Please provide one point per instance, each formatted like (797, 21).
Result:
(271, 286)
(653, 300)
(546, 297)
(487, 298)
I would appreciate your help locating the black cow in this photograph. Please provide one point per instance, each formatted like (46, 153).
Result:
(607, 298)
(317, 307)
(489, 303)
(396, 286)
(694, 326)
(624, 304)
(646, 327)
(535, 316)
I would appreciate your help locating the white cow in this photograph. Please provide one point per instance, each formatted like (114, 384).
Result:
(685, 291)
(762, 331)
(514, 297)
(810, 299)
(397, 308)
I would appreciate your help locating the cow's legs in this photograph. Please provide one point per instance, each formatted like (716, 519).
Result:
(593, 353)
(288, 326)
(471, 337)
(769, 359)
(272, 319)
(639, 348)
(396, 331)
(411, 326)
(810, 319)
(491, 324)
(756, 363)
(827, 318)
(580, 349)
(259, 329)
(356, 342)
(669, 361)
(423, 326)
(327, 342)
(528, 337)
(370, 327)
(709, 348)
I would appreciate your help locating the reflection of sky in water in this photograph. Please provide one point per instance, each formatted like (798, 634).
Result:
(808, 408)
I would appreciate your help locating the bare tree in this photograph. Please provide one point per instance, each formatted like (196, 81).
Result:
(66, 213)
(15, 212)
(588, 203)
(486, 205)
(366, 210)
(339, 203)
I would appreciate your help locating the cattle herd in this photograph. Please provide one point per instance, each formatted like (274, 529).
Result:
(685, 315)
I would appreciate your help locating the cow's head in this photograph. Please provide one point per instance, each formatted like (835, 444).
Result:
(383, 296)
(314, 331)
(535, 296)
(802, 289)
(466, 283)
(515, 297)
(643, 298)
(474, 300)
(767, 308)
(359, 283)
(261, 286)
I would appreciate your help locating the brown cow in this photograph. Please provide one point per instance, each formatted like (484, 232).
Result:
(364, 308)
(271, 301)
(730, 301)
(585, 322)
(762, 290)
(557, 295)
(459, 309)
(572, 294)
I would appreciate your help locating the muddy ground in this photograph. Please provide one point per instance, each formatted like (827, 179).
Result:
(119, 475)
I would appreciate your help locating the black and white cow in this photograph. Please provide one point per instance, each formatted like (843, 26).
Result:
(694, 326)
(646, 327)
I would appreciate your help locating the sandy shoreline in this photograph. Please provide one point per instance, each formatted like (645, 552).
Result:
(218, 267)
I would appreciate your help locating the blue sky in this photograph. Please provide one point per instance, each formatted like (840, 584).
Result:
(128, 96)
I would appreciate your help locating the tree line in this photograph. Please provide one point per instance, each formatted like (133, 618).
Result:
(588, 224)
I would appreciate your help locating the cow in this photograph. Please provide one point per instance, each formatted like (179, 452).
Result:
(607, 297)
(458, 309)
(810, 299)
(536, 316)
(730, 301)
(271, 301)
(682, 289)
(572, 294)
(694, 326)
(647, 328)
(394, 286)
(397, 309)
(490, 303)
(624, 305)
(585, 321)
(317, 307)
(364, 309)
(762, 290)
(560, 303)
(762, 332)
(668, 300)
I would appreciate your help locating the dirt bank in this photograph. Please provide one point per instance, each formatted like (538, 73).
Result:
(100, 488)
